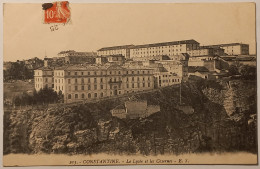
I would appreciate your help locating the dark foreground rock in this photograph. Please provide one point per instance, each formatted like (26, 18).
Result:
(224, 120)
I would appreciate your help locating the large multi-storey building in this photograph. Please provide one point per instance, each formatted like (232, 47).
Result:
(116, 50)
(43, 77)
(73, 57)
(233, 48)
(78, 82)
(174, 48)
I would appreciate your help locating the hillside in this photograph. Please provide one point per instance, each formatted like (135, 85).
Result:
(217, 124)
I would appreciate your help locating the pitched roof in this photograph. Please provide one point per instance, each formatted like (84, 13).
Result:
(191, 41)
(116, 47)
(227, 44)
(233, 58)
(45, 68)
(193, 69)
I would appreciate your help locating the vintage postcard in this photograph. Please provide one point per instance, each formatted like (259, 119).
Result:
(129, 84)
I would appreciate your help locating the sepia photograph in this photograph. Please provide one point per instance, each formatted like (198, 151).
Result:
(101, 84)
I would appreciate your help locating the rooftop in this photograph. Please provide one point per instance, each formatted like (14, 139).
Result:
(45, 68)
(227, 44)
(191, 41)
(193, 69)
(116, 47)
(101, 67)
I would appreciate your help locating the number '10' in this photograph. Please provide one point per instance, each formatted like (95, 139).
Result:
(50, 14)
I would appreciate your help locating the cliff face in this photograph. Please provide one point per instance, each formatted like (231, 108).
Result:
(224, 119)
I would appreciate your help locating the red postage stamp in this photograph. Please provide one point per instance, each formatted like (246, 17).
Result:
(56, 12)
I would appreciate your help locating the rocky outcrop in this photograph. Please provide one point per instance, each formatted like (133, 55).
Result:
(215, 125)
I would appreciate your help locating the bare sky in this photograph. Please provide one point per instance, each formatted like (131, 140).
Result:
(95, 26)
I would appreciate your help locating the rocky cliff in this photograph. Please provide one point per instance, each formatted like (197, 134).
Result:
(224, 119)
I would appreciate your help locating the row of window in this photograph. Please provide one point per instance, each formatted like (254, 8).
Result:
(95, 87)
(138, 85)
(82, 96)
(83, 80)
(101, 80)
(76, 88)
(156, 48)
(155, 51)
(109, 73)
(45, 80)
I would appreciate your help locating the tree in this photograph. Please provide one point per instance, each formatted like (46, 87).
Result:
(43, 96)
(233, 70)
(248, 72)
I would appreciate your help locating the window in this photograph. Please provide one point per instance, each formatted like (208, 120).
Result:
(82, 96)
(133, 85)
(82, 73)
(76, 96)
(69, 75)
(95, 87)
(89, 95)
(89, 80)
(82, 80)
(76, 80)
(101, 94)
(89, 87)
(76, 73)
(143, 84)
(101, 86)
(95, 80)
(69, 96)
(101, 79)
(127, 85)
(95, 94)
(68, 81)
(76, 88)
(119, 72)
(88, 73)
(82, 87)
(133, 79)
(148, 84)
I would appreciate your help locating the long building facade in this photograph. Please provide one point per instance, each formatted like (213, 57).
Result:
(174, 48)
(116, 50)
(233, 48)
(79, 83)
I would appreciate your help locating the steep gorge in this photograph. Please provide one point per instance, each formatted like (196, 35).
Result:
(224, 120)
